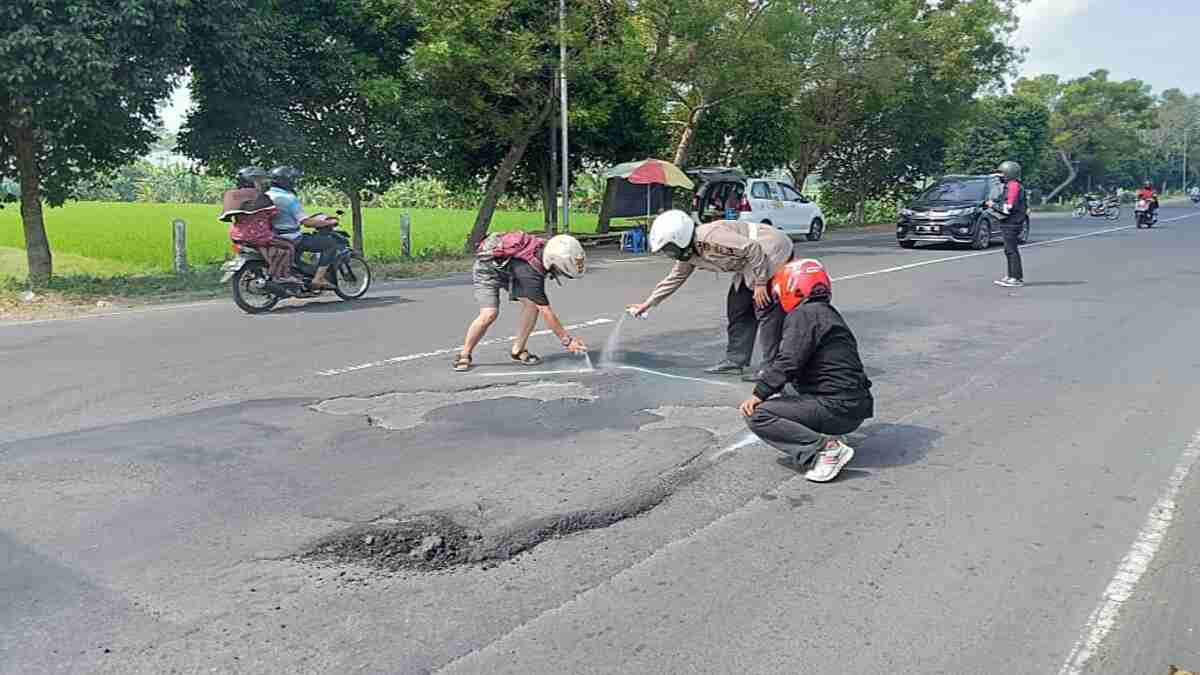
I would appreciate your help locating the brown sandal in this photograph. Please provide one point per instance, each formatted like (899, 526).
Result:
(462, 363)
(525, 358)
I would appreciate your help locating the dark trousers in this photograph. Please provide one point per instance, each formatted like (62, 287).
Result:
(324, 245)
(1012, 236)
(747, 322)
(799, 426)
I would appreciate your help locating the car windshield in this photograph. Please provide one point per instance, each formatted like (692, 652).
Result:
(957, 190)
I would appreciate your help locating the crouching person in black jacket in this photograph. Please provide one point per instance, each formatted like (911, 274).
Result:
(819, 357)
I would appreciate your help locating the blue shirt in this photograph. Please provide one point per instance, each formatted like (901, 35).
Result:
(286, 222)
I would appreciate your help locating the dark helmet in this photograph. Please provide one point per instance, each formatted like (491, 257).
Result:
(248, 176)
(1010, 170)
(286, 177)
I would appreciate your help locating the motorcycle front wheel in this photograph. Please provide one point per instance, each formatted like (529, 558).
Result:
(353, 277)
(249, 291)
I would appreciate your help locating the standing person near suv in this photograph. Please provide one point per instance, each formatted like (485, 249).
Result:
(291, 216)
(1013, 212)
(753, 252)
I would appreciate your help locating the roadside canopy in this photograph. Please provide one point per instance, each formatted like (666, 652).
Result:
(627, 196)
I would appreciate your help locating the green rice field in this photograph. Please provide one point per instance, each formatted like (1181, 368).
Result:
(132, 237)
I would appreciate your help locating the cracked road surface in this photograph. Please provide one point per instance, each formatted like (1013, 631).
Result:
(315, 491)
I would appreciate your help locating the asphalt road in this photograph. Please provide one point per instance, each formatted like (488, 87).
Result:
(314, 491)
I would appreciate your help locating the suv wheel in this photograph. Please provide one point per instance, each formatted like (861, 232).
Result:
(983, 236)
(1023, 238)
(816, 230)
(908, 244)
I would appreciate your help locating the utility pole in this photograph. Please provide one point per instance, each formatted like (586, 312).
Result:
(1186, 132)
(562, 100)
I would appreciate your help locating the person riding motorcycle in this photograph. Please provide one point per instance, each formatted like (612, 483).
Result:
(291, 216)
(250, 210)
(1194, 193)
(1147, 192)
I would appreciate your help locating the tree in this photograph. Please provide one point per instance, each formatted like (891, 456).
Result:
(492, 66)
(917, 61)
(1092, 118)
(1000, 128)
(338, 100)
(79, 84)
(706, 54)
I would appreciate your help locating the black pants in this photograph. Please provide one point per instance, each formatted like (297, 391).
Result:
(324, 245)
(1012, 236)
(747, 322)
(799, 426)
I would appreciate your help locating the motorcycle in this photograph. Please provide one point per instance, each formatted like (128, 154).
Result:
(1099, 208)
(1196, 199)
(255, 292)
(1142, 214)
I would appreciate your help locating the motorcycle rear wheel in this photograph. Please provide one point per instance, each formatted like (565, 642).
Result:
(246, 296)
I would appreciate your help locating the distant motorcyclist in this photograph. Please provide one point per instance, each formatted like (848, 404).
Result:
(1194, 193)
(1013, 212)
(1147, 192)
(291, 217)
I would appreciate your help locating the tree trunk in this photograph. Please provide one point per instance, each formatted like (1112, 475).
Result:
(37, 246)
(356, 218)
(685, 138)
(606, 205)
(499, 182)
(1071, 175)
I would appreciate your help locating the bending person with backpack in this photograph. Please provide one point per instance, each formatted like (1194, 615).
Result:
(519, 263)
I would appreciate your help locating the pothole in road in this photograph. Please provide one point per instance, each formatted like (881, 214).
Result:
(451, 533)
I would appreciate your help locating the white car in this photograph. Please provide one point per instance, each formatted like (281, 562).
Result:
(726, 193)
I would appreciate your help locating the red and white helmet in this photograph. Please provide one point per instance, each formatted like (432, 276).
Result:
(800, 280)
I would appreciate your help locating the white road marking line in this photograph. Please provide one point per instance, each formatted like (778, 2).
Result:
(861, 275)
(518, 373)
(1133, 566)
(452, 350)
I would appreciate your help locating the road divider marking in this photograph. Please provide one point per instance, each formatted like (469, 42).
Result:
(1133, 566)
(453, 350)
(605, 320)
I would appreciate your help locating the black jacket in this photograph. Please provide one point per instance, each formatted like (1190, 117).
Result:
(819, 356)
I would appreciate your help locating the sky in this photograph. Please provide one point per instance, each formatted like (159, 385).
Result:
(1154, 42)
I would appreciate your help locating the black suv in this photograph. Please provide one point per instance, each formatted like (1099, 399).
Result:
(952, 211)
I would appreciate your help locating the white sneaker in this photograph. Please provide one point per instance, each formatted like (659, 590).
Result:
(829, 462)
(1009, 282)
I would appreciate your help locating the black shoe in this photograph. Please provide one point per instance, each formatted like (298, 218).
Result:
(725, 367)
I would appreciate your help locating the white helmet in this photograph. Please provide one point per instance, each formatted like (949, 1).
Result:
(672, 234)
(564, 255)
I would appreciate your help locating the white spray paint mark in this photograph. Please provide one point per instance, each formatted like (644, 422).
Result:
(674, 377)
(748, 439)
(588, 358)
(614, 341)
(1133, 566)
(451, 350)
